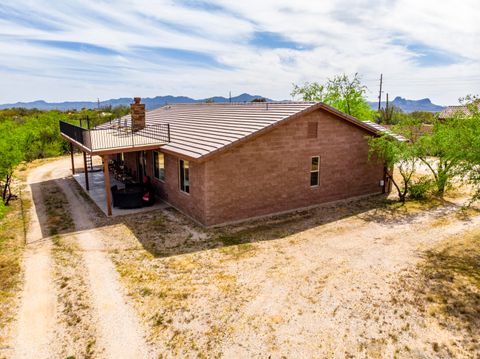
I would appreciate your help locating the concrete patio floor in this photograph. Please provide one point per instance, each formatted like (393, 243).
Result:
(98, 195)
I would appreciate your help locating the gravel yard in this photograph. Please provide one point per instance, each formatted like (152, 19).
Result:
(364, 278)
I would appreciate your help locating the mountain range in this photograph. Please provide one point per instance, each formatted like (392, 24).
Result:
(150, 102)
(158, 101)
(410, 105)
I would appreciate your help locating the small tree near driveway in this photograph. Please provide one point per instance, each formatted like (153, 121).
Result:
(395, 154)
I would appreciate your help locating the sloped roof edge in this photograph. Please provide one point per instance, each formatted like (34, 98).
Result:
(368, 126)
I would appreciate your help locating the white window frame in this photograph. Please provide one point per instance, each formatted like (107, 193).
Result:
(315, 171)
(180, 175)
(155, 153)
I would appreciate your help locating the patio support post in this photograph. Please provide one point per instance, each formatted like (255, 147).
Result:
(71, 155)
(106, 176)
(86, 170)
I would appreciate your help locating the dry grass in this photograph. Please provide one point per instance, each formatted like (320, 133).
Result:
(12, 245)
(76, 330)
(194, 287)
(444, 290)
(59, 219)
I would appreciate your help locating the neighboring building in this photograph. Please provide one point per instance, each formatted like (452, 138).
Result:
(452, 111)
(223, 163)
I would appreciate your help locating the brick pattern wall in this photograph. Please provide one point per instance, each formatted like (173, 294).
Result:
(193, 203)
(271, 173)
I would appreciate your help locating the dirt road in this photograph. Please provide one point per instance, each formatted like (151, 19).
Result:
(39, 331)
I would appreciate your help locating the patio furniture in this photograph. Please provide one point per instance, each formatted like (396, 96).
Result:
(128, 197)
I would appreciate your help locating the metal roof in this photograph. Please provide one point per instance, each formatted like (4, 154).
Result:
(201, 129)
(452, 111)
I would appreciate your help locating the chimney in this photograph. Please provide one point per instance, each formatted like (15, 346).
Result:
(138, 114)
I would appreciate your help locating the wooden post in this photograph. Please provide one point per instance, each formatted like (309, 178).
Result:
(71, 155)
(86, 171)
(106, 175)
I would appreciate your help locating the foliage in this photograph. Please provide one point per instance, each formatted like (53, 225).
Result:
(342, 92)
(399, 154)
(12, 155)
(467, 142)
(421, 188)
(26, 135)
(91, 118)
(3, 209)
(442, 144)
(423, 116)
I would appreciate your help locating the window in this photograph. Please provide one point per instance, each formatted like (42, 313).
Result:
(315, 171)
(184, 176)
(159, 165)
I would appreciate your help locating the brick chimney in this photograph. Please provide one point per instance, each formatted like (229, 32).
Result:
(138, 114)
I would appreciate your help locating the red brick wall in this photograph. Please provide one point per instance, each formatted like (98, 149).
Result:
(193, 203)
(271, 173)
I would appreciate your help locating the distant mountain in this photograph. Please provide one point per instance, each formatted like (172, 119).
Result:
(150, 102)
(411, 105)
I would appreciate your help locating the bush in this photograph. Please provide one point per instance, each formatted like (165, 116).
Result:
(3, 210)
(422, 188)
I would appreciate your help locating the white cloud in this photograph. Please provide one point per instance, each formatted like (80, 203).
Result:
(423, 48)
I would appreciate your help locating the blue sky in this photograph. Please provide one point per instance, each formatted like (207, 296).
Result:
(84, 50)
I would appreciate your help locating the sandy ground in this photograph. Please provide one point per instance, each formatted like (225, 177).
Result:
(41, 331)
(120, 333)
(303, 290)
(36, 318)
(320, 283)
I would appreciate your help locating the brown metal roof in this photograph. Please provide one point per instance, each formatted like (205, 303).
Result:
(452, 111)
(199, 130)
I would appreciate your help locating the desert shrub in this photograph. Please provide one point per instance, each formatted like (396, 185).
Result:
(422, 188)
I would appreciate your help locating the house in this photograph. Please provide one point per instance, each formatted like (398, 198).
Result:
(452, 111)
(225, 162)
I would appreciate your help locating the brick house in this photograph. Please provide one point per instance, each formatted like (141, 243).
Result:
(228, 162)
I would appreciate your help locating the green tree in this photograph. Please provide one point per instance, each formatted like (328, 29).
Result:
(342, 92)
(440, 152)
(468, 142)
(395, 154)
(12, 155)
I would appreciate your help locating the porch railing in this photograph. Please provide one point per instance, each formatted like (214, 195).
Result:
(115, 137)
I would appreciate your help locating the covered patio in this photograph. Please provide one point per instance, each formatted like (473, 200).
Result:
(111, 139)
(98, 195)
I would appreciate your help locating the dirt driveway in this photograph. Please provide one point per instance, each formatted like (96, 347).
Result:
(336, 281)
(72, 304)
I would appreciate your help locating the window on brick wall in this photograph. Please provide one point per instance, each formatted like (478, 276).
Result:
(184, 176)
(159, 165)
(312, 130)
(314, 171)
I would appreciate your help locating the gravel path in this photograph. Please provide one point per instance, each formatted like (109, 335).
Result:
(36, 317)
(120, 334)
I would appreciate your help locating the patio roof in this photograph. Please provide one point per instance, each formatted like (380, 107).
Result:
(97, 193)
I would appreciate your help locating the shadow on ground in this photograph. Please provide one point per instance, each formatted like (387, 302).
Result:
(168, 232)
(445, 287)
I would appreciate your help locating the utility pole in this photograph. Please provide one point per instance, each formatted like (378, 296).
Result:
(380, 93)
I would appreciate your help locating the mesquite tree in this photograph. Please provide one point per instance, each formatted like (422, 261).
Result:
(395, 154)
(342, 92)
(11, 156)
